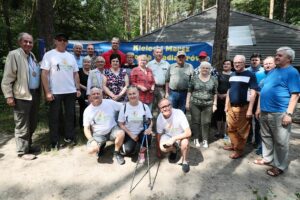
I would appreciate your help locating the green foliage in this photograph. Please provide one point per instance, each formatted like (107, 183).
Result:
(261, 7)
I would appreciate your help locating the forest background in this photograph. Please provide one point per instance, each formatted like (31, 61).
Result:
(103, 19)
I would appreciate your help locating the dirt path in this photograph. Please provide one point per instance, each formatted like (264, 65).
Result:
(72, 174)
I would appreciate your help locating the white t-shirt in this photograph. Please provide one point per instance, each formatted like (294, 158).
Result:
(61, 67)
(102, 117)
(174, 125)
(133, 117)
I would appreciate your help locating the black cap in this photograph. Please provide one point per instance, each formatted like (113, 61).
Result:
(58, 35)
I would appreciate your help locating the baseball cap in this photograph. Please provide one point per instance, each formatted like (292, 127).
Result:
(202, 54)
(180, 53)
(61, 35)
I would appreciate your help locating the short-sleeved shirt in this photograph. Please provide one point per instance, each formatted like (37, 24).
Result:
(175, 125)
(179, 77)
(255, 69)
(61, 67)
(133, 116)
(203, 92)
(138, 77)
(79, 61)
(102, 117)
(279, 85)
(115, 82)
(159, 70)
(260, 76)
(240, 83)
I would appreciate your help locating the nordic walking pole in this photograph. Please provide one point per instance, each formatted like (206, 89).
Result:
(148, 160)
(137, 163)
(146, 125)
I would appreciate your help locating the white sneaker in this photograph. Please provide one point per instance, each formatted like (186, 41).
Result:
(205, 144)
(197, 144)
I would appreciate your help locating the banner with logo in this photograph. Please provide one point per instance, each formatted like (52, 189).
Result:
(169, 49)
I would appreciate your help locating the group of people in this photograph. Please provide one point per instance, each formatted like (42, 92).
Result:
(117, 98)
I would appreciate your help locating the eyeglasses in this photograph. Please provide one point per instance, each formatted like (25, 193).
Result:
(181, 56)
(166, 106)
(237, 63)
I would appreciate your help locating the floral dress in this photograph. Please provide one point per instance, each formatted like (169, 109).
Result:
(115, 82)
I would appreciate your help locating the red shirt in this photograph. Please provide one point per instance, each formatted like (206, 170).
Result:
(106, 55)
(138, 77)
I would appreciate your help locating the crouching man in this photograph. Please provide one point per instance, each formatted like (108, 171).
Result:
(100, 125)
(173, 131)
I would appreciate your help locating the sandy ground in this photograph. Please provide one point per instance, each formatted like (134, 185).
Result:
(72, 174)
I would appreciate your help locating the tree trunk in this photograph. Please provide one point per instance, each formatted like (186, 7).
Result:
(284, 10)
(271, 9)
(141, 18)
(192, 7)
(45, 21)
(203, 4)
(159, 13)
(221, 34)
(126, 17)
(7, 24)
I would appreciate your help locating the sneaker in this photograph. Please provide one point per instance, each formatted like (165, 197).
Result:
(185, 167)
(27, 156)
(205, 144)
(141, 159)
(119, 158)
(68, 142)
(197, 143)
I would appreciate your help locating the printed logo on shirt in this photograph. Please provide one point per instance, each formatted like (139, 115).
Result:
(65, 66)
(101, 118)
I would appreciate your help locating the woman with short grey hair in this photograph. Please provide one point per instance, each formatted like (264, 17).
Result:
(202, 102)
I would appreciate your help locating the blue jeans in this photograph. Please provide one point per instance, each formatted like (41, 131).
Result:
(178, 99)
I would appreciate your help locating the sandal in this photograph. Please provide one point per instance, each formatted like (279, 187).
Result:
(274, 171)
(235, 156)
(261, 161)
(228, 148)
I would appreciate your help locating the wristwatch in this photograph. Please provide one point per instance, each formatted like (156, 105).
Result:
(289, 114)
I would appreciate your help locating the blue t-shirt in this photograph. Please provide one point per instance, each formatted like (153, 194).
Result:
(260, 76)
(239, 85)
(278, 87)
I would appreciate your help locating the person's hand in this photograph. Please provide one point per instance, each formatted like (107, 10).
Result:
(148, 131)
(226, 109)
(214, 108)
(49, 96)
(114, 97)
(144, 89)
(158, 154)
(78, 93)
(286, 120)
(187, 106)
(10, 101)
(257, 113)
(167, 95)
(134, 137)
(249, 114)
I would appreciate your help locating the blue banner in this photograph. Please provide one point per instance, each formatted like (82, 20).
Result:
(169, 49)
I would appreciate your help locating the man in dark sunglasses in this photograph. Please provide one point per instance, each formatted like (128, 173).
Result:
(61, 85)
